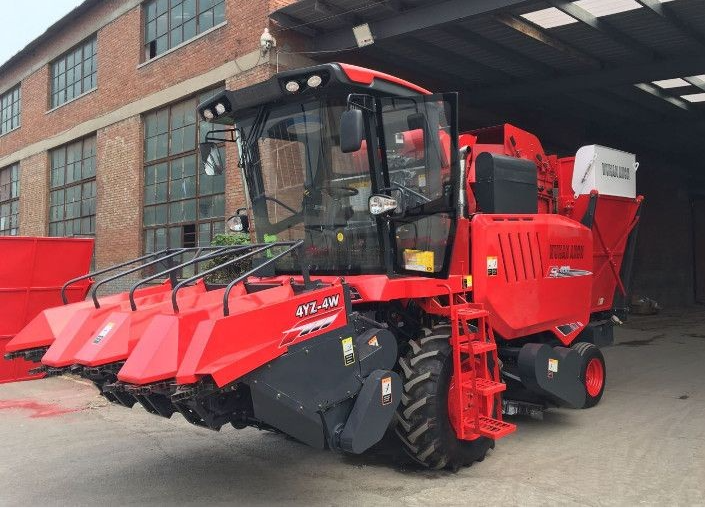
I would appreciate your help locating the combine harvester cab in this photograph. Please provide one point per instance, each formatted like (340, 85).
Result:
(31, 281)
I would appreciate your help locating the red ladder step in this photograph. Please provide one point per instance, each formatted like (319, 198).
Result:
(485, 387)
(468, 314)
(477, 347)
(495, 429)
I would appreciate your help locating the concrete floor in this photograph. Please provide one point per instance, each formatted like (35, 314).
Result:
(643, 445)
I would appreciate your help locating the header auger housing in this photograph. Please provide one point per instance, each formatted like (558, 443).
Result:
(402, 274)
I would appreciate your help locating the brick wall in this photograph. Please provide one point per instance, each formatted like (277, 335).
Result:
(123, 78)
(119, 192)
(34, 195)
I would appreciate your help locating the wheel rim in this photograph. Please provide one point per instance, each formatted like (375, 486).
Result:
(594, 377)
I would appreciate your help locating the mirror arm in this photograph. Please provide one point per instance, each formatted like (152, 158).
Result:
(210, 135)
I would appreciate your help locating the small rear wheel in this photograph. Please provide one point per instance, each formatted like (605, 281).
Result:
(593, 373)
(422, 421)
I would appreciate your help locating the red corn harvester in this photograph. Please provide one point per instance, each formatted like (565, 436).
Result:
(403, 275)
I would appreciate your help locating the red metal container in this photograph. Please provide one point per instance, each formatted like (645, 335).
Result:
(32, 272)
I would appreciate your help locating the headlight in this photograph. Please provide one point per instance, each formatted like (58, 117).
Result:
(208, 114)
(220, 108)
(292, 86)
(379, 204)
(314, 81)
(235, 224)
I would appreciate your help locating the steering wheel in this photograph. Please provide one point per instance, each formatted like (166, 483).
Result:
(339, 192)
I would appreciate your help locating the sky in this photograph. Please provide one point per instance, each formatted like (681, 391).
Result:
(24, 20)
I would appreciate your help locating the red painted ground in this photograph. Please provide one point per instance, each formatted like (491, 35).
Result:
(38, 409)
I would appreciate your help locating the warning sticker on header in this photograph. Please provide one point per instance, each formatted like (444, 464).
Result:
(105, 331)
(492, 266)
(386, 390)
(348, 351)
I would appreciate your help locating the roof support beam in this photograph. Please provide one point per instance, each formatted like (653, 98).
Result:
(640, 73)
(696, 81)
(539, 35)
(328, 9)
(665, 12)
(291, 23)
(604, 27)
(413, 20)
(396, 6)
(387, 56)
(495, 48)
(443, 58)
(421, 47)
(656, 92)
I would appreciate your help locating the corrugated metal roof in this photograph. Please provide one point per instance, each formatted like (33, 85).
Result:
(500, 49)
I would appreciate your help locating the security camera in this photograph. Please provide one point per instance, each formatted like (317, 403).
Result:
(267, 41)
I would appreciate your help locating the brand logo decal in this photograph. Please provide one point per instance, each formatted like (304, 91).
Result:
(558, 272)
(615, 171)
(566, 251)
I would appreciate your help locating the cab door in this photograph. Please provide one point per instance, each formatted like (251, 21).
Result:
(419, 147)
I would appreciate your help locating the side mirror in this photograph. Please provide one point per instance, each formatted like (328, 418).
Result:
(380, 203)
(352, 130)
(211, 160)
(416, 121)
(240, 222)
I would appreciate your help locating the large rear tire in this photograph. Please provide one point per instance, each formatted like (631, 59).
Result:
(593, 372)
(422, 421)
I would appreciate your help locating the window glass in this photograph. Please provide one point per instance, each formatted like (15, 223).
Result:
(9, 200)
(10, 103)
(418, 145)
(74, 73)
(305, 188)
(182, 206)
(168, 23)
(73, 189)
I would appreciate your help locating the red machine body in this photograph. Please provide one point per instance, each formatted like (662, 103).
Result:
(327, 346)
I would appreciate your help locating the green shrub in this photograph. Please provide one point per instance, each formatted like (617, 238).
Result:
(230, 272)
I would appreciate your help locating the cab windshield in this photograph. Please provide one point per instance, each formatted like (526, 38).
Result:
(302, 187)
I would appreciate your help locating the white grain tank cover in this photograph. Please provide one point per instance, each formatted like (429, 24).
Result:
(610, 172)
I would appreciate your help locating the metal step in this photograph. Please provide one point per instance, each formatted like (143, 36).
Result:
(477, 347)
(468, 314)
(485, 387)
(495, 429)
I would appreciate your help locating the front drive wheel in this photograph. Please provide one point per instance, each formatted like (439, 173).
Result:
(593, 372)
(422, 421)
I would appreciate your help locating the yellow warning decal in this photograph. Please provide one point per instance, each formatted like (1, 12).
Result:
(348, 351)
(419, 260)
(492, 265)
(552, 365)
